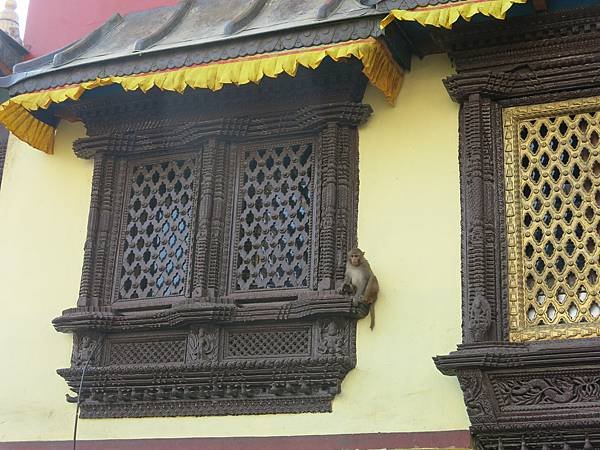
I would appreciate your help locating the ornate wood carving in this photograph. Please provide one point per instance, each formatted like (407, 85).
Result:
(275, 214)
(204, 219)
(185, 201)
(328, 208)
(202, 344)
(215, 278)
(542, 395)
(475, 114)
(539, 394)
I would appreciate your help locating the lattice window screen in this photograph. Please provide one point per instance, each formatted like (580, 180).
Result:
(245, 344)
(274, 217)
(155, 250)
(159, 352)
(552, 169)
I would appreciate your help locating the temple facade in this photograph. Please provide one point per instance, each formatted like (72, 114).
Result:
(301, 225)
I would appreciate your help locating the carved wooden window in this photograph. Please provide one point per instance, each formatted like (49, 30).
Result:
(552, 171)
(214, 249)
(530, 197)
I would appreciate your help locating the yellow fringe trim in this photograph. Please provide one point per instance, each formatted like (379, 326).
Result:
(446, 15)
(378, 65)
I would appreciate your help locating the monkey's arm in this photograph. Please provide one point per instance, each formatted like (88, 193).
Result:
(347, 287)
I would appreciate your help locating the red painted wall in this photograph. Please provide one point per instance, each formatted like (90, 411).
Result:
(52, 24)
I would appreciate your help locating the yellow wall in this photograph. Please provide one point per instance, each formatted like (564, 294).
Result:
(408, 225)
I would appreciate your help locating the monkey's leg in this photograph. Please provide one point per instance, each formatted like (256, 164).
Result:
(359, 292)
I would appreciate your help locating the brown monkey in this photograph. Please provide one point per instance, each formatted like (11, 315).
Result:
(360, 282)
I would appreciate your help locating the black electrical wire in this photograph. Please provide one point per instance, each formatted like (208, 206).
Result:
(85, 366)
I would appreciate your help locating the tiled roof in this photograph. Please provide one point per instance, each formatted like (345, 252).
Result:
(198, 31)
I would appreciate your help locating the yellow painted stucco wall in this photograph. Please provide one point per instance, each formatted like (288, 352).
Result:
(409, 225)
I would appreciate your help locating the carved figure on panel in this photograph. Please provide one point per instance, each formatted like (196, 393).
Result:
(85, 349)
(360, 282)
(332, 338)
(480, 318)
(202, 345)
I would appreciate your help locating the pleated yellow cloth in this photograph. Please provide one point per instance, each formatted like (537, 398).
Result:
(378, 65)
(445, 15)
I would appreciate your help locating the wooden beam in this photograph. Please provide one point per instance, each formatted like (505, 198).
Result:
(540, 5)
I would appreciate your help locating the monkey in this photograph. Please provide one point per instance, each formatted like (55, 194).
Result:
(360, 282)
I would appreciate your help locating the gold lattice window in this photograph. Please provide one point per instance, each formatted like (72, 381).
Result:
(552, 182)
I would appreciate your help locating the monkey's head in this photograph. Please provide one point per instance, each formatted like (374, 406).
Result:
(356, 256)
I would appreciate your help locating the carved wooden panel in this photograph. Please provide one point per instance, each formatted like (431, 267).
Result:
(537, 390)
(553, 204)
(154, 351)
(274, 216)
(156, 238)
(217, 370)
(268, 342)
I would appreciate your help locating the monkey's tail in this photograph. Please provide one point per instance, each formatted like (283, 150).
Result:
(372, 314)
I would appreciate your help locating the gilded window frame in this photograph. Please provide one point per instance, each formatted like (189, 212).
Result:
(519, 329)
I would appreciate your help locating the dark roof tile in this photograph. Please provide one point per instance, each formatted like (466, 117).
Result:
(200, 31)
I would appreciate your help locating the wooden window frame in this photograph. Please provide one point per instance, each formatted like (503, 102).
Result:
(187, 339)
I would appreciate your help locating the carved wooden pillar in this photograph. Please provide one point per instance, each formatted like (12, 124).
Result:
(217, 227)
(327, 238)
(346, 184)
(118, 188)
(480, 278)
(102, 242)
(204, 198)
(88, 257)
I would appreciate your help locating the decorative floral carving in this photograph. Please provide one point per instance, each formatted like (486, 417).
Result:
(550, 390)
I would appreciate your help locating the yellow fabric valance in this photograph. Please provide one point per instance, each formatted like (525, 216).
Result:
(445, 15)
(378, 65)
